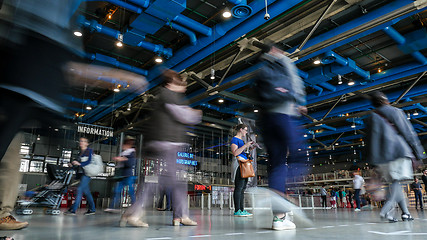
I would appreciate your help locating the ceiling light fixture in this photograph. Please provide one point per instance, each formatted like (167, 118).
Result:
(212, 73)
(415, 113)
(409, 116)
(226, 13)
(379, 70)
(129, 107)
(317, 61)
(220, 100)
(78, 33)
(256, 110)
(158, 59)
(339, 79)
(109, 15)
(116, 89)
(350, 83)
(119, 44)
(88, 108)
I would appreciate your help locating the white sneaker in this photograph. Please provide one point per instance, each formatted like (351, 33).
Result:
(282, 224)
(357, 210)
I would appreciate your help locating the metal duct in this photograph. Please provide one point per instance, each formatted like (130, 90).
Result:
(135, 39)
(241, 10)
(191, 35)
(114, 62)
(401, 40)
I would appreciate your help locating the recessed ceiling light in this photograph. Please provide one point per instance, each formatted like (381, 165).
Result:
(78, 33)
(256, 110)
(116, 89)
(351, 83)
(158, 59)
(220, 100)
(226, 13)
(119, 44)
(88, 108)
(317, 61)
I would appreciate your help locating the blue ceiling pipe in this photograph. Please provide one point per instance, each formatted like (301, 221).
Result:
(191, 35)
(401, 40)
(370, 16)
(125, 5)
(141, 3)
(193, 25)
(222, 109)
(227, 32)
(380, 78)
(79, 100)
(331, 57)
(366, 105)
(186, 56)
(95, 26)
(114, 62)
(241, 10)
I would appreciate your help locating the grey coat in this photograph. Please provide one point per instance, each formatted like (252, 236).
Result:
(384, 143)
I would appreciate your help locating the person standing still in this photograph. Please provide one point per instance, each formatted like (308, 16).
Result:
(416, 187)
(358, 182)
(238, 148)
(323, 195)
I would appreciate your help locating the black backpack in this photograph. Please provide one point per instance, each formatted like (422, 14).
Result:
(273, 85)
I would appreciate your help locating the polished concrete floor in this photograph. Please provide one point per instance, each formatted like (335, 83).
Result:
(342, 224)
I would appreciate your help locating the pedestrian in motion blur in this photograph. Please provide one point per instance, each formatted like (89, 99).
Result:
(281, 96)
(358, 183)
(37, 48)
(84, 159)
(239, 150)
(165, 136)
(125, 171)
(391, 145)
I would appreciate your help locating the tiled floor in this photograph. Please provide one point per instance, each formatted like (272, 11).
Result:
(342, 224)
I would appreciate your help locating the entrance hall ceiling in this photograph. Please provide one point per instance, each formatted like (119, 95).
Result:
(372, 44)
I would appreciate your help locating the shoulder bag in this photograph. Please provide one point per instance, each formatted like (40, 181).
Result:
(246, 168)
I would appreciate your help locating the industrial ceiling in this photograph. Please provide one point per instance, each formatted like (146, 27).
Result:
(360, 46)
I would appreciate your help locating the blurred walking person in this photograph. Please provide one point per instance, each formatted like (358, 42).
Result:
(358, 183)
(126, 172)
(281, 97)
(84, 159)
(166, 135)
(323, 194)
(392, 144)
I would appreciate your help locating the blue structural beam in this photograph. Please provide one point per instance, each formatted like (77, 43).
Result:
(340, 30)
(114, 62)
(401, 40)
(79, 100)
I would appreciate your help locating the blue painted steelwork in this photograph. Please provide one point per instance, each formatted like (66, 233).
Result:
(122, 4)
(370, 16)
(141, 3)
(377, 79)
(363, 105)
(331, 57)
(192, 54)
(79, 110)
(191, 35)
(222, 109)
(114, 62)
(79, 100)
(241, 10)
(95, 26)
(193, 25)
(401, 40)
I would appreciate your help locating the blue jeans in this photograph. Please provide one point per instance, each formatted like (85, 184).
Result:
(83, 188)
(357, 197)
(128, 181)
(418, 199)
(281, 134)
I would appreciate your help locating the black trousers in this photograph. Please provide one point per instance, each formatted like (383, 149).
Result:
(324, 201)
(239, 191)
